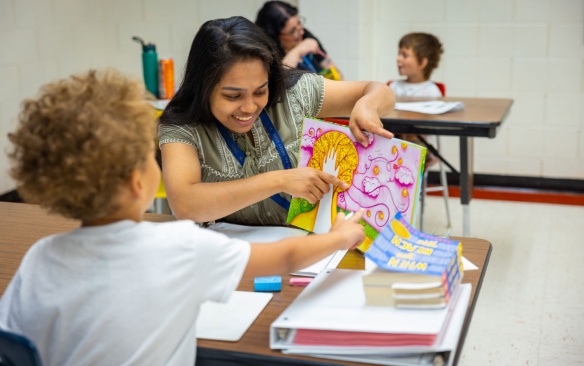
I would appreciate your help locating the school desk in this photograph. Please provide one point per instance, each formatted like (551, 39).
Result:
(481, 117)
(22, 224)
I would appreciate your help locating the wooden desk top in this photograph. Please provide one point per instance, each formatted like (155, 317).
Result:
(480, 118)
(21, 225)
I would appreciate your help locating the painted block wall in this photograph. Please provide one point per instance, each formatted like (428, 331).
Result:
(528, 50)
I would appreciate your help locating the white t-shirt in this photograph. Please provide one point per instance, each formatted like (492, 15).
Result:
(426, 89)
(121, 294)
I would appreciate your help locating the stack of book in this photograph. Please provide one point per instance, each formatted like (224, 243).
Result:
(414, 269)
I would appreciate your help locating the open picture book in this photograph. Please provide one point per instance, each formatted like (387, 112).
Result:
(384, 178)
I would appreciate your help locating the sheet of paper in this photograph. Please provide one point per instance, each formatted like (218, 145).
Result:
(229, 321)
(330, 262)
(264, 234)
(447, 346)
(325, 301)
(430, 107)
(468, 265)
(257, 234)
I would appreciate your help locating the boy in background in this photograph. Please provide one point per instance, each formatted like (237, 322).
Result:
(419, 55)
(119, 290)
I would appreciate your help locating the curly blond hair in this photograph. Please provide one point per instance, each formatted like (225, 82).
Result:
(79, 140)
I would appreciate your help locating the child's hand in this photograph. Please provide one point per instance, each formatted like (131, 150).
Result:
(350, 228)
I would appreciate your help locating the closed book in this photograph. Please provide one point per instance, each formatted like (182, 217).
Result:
(414, 269)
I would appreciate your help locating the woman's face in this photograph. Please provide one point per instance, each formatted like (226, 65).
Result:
(241, 95)
(292, 33)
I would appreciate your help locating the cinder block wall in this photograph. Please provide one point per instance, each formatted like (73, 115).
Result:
(528, 50)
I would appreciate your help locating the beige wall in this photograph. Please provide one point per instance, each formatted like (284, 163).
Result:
(531, 51)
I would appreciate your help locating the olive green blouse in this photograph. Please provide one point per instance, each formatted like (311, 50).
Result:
(218, 163)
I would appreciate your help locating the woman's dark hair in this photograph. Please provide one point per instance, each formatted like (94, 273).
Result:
(272, 18)
(218, 45)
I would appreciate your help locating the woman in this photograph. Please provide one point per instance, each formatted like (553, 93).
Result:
(220, 159)
(297, 46)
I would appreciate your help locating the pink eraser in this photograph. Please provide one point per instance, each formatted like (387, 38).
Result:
(300, 281)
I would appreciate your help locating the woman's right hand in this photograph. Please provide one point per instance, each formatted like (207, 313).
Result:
(303, 48)
(306, 46)
(309, 183)
(350, 228)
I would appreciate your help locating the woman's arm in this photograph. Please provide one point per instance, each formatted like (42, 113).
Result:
(364, 101)
(294, 56)
(190, 198)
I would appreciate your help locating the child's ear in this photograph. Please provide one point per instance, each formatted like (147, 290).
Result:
(424, 63)
(135, 182)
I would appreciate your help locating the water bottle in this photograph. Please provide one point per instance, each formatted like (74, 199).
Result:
(149, 65)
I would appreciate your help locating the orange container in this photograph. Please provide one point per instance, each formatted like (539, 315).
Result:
(165, 78)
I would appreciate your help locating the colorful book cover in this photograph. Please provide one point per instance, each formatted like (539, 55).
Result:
(384, 178)
(401, 248)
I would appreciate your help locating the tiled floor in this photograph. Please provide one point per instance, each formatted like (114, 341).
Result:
(530, 309)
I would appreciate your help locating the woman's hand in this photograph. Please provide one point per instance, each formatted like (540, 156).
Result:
(366, 118)
(364, 101)
(308, 183)
(303, 48)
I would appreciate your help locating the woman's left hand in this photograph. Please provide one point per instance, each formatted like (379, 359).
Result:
(363, 101)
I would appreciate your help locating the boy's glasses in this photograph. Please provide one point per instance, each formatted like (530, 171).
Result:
(295, 32)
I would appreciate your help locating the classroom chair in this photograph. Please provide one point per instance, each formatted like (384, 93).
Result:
(160, 201)
(17, 350)
(443, 187)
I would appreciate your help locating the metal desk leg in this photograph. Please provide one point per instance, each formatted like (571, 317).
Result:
(466, 181)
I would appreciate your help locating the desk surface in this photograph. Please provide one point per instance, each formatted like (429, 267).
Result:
(480, 118)
(21, 225)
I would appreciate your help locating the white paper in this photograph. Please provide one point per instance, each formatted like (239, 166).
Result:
(268, 234)
(335, 300)
(334, 314)
(468, 265)
(229, 321)
(330, 262)
(257, 234)
(430, 107)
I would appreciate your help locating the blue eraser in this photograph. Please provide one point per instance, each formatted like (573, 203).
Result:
(267, 284)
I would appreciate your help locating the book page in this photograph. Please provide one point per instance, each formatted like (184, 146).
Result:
(383, 178)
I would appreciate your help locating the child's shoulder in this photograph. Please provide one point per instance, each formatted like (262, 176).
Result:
(426, 88)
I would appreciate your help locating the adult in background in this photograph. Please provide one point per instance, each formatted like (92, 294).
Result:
(230, 137)
(297, 46)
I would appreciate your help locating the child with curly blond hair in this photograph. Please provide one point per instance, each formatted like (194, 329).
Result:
(119, 290)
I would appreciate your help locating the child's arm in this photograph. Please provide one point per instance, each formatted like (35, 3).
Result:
(291, 254)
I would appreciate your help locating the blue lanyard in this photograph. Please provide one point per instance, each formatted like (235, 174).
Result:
(308, 64)
(240, 156)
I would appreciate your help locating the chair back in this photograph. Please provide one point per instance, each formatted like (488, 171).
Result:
(17, 350)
